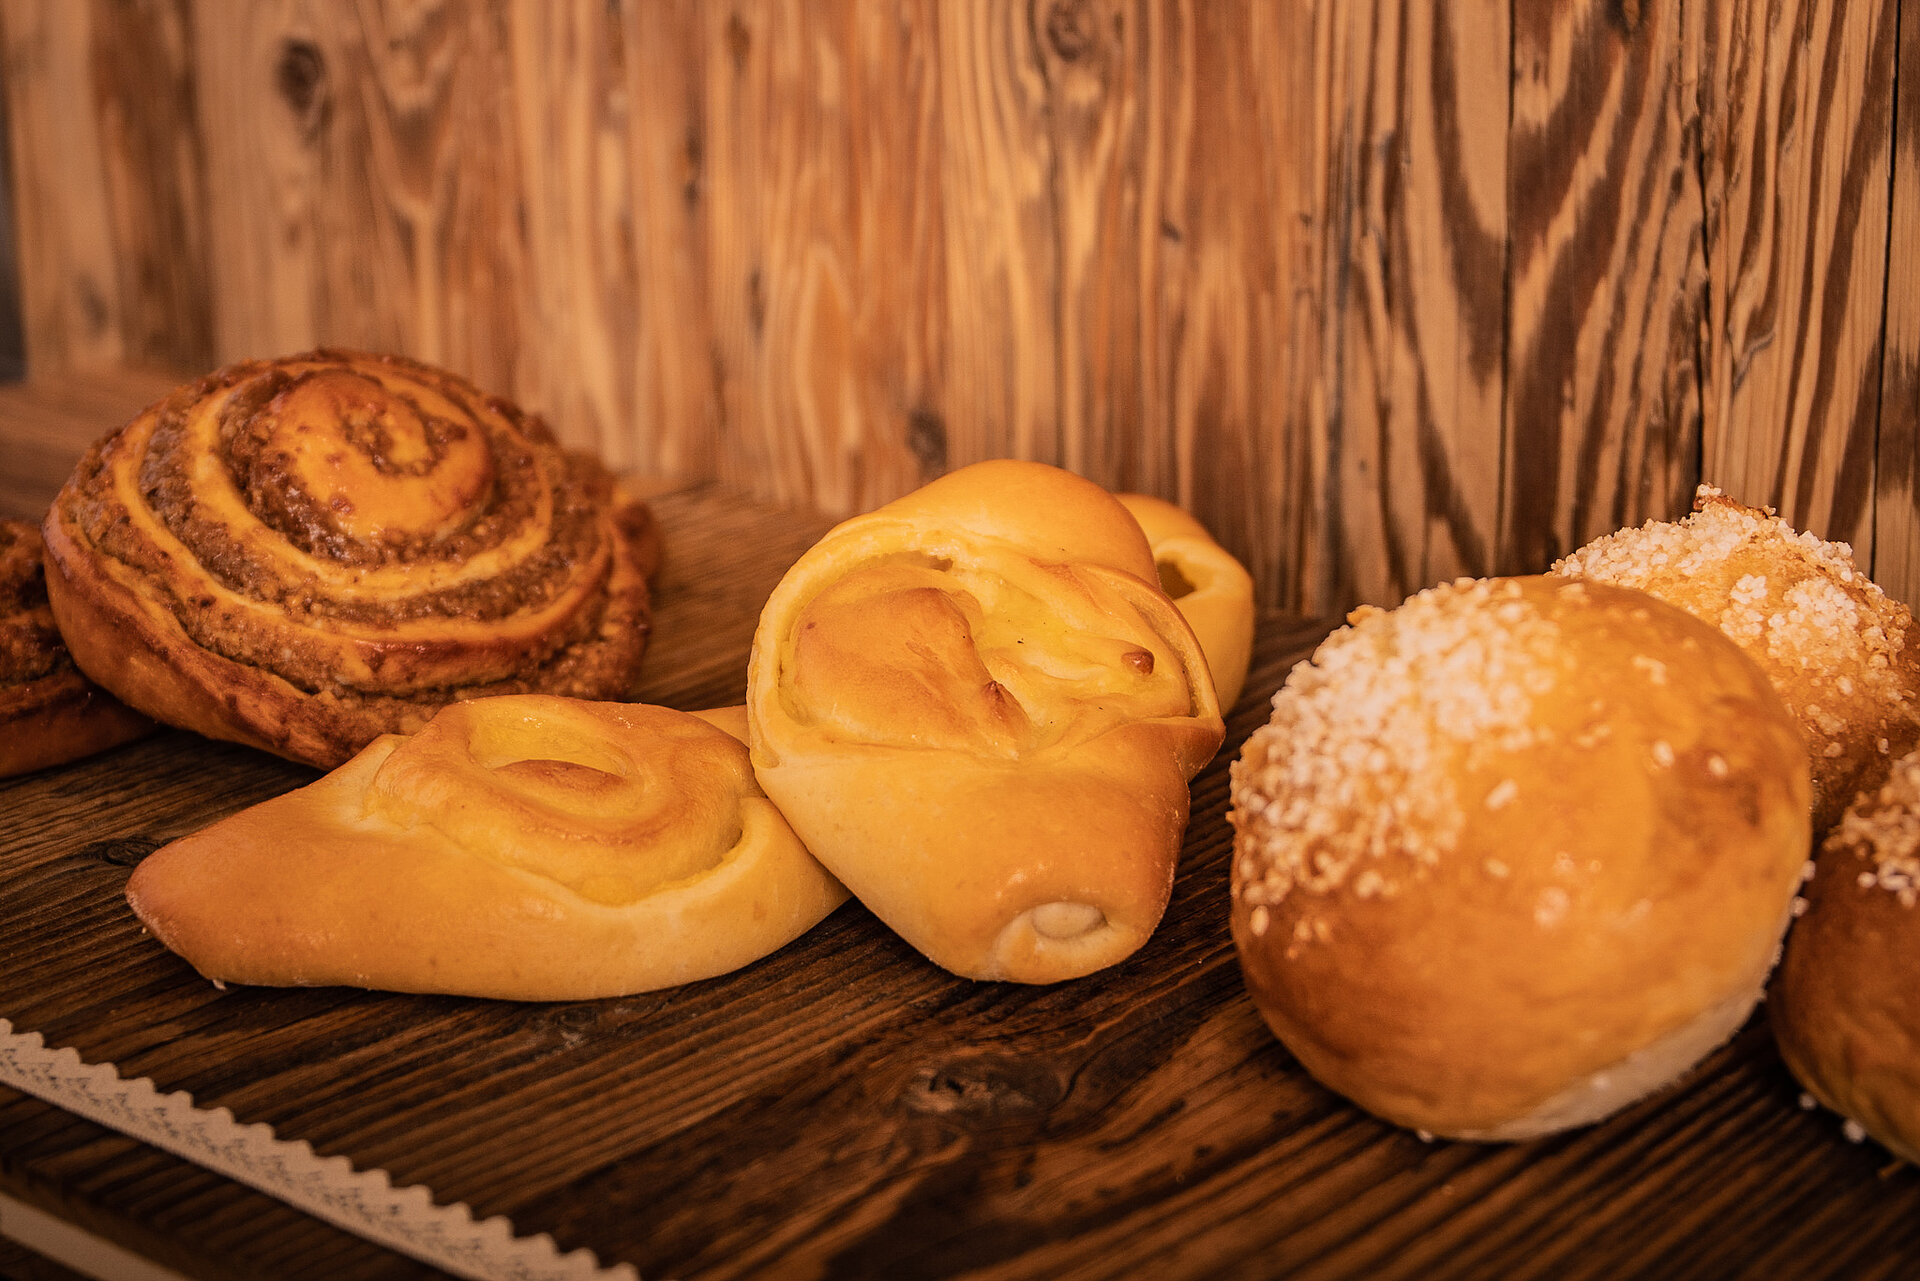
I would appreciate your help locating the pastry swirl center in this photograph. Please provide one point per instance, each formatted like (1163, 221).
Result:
(337, 456)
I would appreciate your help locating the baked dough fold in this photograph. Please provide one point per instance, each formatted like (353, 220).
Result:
(524, 847)
(978, 708)
(1212, 590)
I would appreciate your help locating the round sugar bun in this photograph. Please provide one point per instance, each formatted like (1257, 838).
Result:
(1845, 1006)
(1834, 644)
(1515, 853)
(1211, 589)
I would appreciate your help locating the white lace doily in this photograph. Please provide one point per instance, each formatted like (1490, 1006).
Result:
(364, 1203)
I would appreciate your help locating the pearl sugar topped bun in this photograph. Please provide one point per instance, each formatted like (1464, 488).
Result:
(1515, 854)
(1834, 644)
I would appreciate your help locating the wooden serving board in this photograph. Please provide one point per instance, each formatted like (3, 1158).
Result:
(844, 1108)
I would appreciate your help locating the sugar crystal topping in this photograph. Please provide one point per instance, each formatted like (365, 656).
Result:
(1812, 613)
(1352, 776)
(1884, 829)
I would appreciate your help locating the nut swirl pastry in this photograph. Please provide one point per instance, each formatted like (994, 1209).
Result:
(306, 553)
(524, 847)
(979, 710)
(49, 712)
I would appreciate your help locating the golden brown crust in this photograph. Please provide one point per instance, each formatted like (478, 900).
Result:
(1836, 647)
(1845, 1006)
(979, 710)
(1515, 853)
(49, 713)
(306, 553)
(524, 847)
(1212, 590)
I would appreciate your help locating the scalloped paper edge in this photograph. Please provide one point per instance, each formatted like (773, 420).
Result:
(365, 1203)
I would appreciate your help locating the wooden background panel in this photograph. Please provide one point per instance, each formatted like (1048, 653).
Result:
(108, 198)
(1896, 535)
(1417, 114)
(1229, 371)
(821, 208)
(1797, 154)
(369, 189)
(1607, 275)
(1386, 292)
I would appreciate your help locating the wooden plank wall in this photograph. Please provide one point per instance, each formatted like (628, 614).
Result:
(1387, 291)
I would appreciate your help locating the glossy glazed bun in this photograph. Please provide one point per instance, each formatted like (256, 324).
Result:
(1834, 644)
(1845, 1007)
(1516, 853)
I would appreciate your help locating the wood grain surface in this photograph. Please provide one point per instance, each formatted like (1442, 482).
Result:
(1896, 509)
(1385, 291)
(1607, 275)
(1799, 142)
(45, 427)
(843, 1108)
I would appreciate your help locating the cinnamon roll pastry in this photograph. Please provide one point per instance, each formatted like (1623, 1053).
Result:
(304, 554)
(526, 847)
(979, 710)
(1212, 590)
(49, 712)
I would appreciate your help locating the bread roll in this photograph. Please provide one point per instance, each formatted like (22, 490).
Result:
(1845, 1006)
(524, 847)
(1835, 646)
(1515, 854)
(49, 713)
(1212, 590)
(979, 710)
(304, 554)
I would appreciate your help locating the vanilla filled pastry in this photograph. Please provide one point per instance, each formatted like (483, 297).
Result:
(1212, 590)
(979, 709)
(1838, 649)
(525, 847)
(1516, 853)
(304, 554)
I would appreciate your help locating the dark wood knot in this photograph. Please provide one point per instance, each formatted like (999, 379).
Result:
(122, 851)
(1071, 28)
(984, 1086)
(301, 78)
(927, 438)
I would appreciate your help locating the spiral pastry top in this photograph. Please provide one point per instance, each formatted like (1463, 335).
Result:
(305, 553)
(49, 712)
